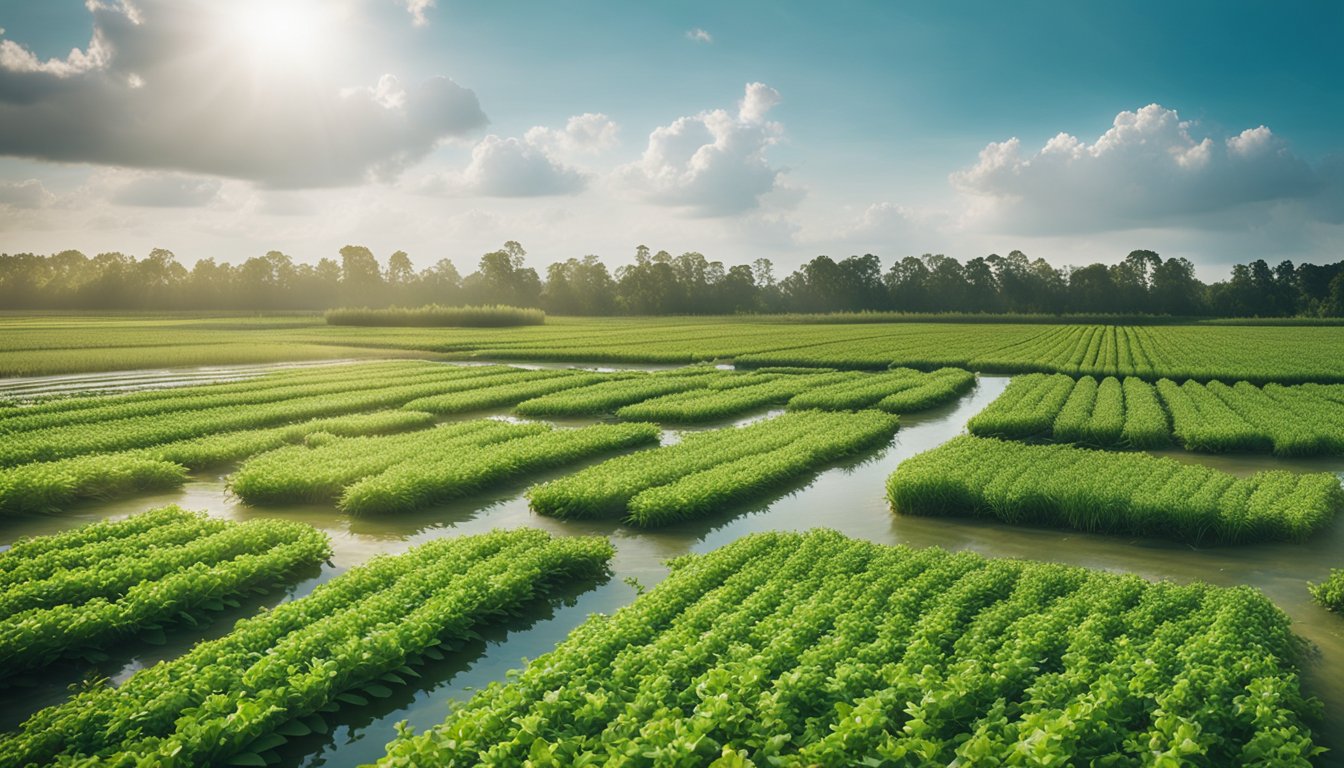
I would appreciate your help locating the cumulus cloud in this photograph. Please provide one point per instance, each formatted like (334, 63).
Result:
(29, 193)
(713, 163)
(536, 165)
(699, 35)
(588, 133)
(166, 191)
(512, 168)
(1146, 170)
(182, 86)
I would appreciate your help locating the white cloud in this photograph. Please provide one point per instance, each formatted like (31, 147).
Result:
(513, 168)
(508, 167)
(1146, 170)
(166, 191)
(29, 193)
(699, 35)
(418, 9)
(713, 163)
(193, 87)
(588, 133)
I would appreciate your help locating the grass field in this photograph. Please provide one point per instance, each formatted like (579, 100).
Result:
(36, 345)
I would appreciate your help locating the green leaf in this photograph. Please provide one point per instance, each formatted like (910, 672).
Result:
(294, 728)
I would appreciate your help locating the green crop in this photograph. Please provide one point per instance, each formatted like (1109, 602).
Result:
(92, 587)
(1067, 487)
(709, 471)
(902, 390)
(147, 430)
(786, 649)
(606, 397)
(300, 473)
(361, 634)
(729, 397)
(1331, 593)
(508, 390)
(436, 478)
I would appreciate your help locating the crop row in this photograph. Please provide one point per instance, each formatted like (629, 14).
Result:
(729, 398)
(606, 397)
(359, 635)
(302, 473)
(711, 471)
(789, 649)
(327, 380)
(507, 390)
(1106, 414)
(144, 431)
(93, 591)
(1067, 487)
(50, 486)
(1214, 417)
(413, 485)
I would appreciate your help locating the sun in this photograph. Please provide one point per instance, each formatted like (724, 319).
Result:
(288, 33)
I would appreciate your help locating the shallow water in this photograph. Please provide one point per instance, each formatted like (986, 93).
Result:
(848, 497)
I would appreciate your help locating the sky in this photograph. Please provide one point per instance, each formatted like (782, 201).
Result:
(1074, 131)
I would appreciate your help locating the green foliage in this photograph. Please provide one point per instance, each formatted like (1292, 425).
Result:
(901, 390)
(1331, 593)
(787, 649)
(605, 397)
(432, 479)
(729, 397)
(94, 586)
(1258, 354)
(1301, 420)
(496, 316)
(47, 487)
(370, 393)
(304, 473)
(708, 471)
(228, 699)
(507, 390)
(1067, 487)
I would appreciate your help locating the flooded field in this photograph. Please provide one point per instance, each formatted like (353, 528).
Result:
(848, 498)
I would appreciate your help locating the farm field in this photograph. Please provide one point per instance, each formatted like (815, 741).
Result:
(38, 345)
(791, 649)
(1293, 420)
(387, 456)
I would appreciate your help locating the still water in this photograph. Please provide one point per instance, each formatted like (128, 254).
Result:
(847, 497)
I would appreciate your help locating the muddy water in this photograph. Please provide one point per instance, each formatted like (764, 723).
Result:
(848, 498)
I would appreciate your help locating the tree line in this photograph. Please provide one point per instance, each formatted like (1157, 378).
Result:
(663, 284)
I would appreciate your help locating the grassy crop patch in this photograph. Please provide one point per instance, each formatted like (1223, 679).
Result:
(437, 478)
(97, 585)
(786, 649)
(358, 636)
(1067, 487)
(711, 471)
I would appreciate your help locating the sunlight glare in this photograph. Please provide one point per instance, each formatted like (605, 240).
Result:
(281, 32)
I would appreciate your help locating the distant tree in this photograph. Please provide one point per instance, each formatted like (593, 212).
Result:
(361, 279)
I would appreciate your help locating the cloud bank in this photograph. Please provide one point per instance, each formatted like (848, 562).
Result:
(1147, 170)
(169, 85)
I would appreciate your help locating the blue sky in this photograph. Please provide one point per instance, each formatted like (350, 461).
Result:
(1211, 130)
